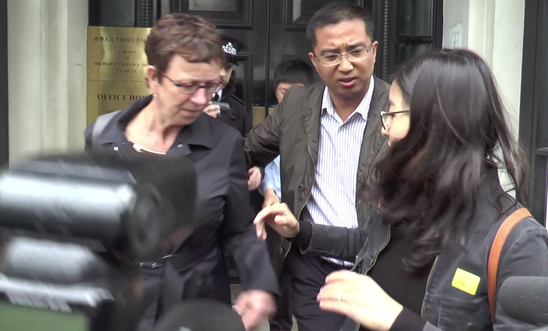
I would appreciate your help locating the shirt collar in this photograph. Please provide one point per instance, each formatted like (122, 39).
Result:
(197, 133)
(363, 107)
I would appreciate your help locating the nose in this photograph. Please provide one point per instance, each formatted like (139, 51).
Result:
(200, 97)
(384, 132)
(345, 65)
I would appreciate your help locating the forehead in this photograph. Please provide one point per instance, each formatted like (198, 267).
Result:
(180, 69)
(340, 34)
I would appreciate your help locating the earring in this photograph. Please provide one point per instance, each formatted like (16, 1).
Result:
(155, 95)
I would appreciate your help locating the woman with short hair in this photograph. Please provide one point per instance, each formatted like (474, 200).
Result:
(185, 58)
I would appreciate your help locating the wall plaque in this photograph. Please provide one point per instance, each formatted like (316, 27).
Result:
(116, 68)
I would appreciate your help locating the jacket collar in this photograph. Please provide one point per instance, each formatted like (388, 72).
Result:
(312, 112)
(198, 133)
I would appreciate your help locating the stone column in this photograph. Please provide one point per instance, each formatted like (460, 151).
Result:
(47, 52)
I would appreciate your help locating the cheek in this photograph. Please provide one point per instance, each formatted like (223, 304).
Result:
(326, 73)
(399, 129)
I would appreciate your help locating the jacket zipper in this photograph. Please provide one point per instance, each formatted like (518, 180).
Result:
(309, 191)
(427, 283)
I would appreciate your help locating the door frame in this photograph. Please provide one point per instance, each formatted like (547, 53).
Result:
(4, 110)
(533, 120)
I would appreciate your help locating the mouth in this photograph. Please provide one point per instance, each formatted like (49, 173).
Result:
(348, 81)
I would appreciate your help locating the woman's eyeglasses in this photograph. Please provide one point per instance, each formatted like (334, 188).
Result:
(386, 117)
(191, 88)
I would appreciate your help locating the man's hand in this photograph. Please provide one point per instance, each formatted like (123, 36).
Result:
(270, 197)
(253, 178)
(255, 307)
(213, 110)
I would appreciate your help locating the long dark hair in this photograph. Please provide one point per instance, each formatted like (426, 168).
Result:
(430, 182)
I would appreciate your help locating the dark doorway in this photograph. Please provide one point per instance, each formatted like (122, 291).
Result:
(4, 119)
(274, 29)
(533, 122)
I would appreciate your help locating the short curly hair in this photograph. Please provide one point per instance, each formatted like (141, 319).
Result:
(192, 37)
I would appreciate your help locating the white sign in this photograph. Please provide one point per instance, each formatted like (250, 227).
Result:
(456, 35)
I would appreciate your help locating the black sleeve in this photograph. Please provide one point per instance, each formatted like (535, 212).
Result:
(331, 241)
(302, 239)
(238, 235)
(408, 321)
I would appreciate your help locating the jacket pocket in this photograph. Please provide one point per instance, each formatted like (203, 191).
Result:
(463, 316)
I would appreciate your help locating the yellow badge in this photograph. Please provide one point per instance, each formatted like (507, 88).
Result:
(465, 281)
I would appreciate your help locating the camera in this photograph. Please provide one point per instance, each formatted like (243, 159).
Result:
(74, 229)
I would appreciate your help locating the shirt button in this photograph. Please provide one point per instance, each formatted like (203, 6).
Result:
(116, 149)
(180, 146)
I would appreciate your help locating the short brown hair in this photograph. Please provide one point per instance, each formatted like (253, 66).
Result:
(193, 37)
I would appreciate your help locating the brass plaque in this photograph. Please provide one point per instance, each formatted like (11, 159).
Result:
(116, 68)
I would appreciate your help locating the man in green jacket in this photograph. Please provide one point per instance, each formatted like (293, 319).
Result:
(328, 138)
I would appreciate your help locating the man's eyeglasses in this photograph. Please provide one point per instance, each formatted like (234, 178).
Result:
(191, 88)
(354, 55)
(386, 117)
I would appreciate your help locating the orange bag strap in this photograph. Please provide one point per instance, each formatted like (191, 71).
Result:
(496, 250)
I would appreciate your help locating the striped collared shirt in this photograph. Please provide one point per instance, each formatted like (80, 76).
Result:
(333, 196)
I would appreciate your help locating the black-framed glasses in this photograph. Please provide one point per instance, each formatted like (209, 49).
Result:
(354, 55)
(191, 88)
(386, 117)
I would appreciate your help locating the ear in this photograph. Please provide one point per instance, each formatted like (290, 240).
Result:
(374, 50)
(152, 79)
(312, 58)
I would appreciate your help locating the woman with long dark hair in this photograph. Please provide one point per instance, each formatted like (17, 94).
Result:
(421, 263)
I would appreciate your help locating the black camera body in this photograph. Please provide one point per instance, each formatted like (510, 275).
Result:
(73, 230)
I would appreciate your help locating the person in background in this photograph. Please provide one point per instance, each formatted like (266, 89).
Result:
(237, 117)
(328, 140)
(288, 73)
(185, 58)
(421, 263)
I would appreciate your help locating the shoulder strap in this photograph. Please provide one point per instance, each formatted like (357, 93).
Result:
(100, 124)
(496, 250)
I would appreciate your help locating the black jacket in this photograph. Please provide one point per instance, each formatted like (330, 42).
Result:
(445, 307)
(237, 117)
(223, 212)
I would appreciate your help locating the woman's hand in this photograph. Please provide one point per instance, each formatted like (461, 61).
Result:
(270, 198)
(213, 110)
(280, 218)
(360, 298)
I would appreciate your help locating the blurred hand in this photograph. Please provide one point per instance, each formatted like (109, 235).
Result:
(255, 307)
(280, 218)
(213, 110)
(270, 197)
(254, 178)
(360, 298)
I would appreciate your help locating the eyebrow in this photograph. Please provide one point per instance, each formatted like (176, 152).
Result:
(335, 49)
(391, 103)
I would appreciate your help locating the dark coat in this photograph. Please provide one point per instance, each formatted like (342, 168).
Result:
(225, 219)
(237, 117)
